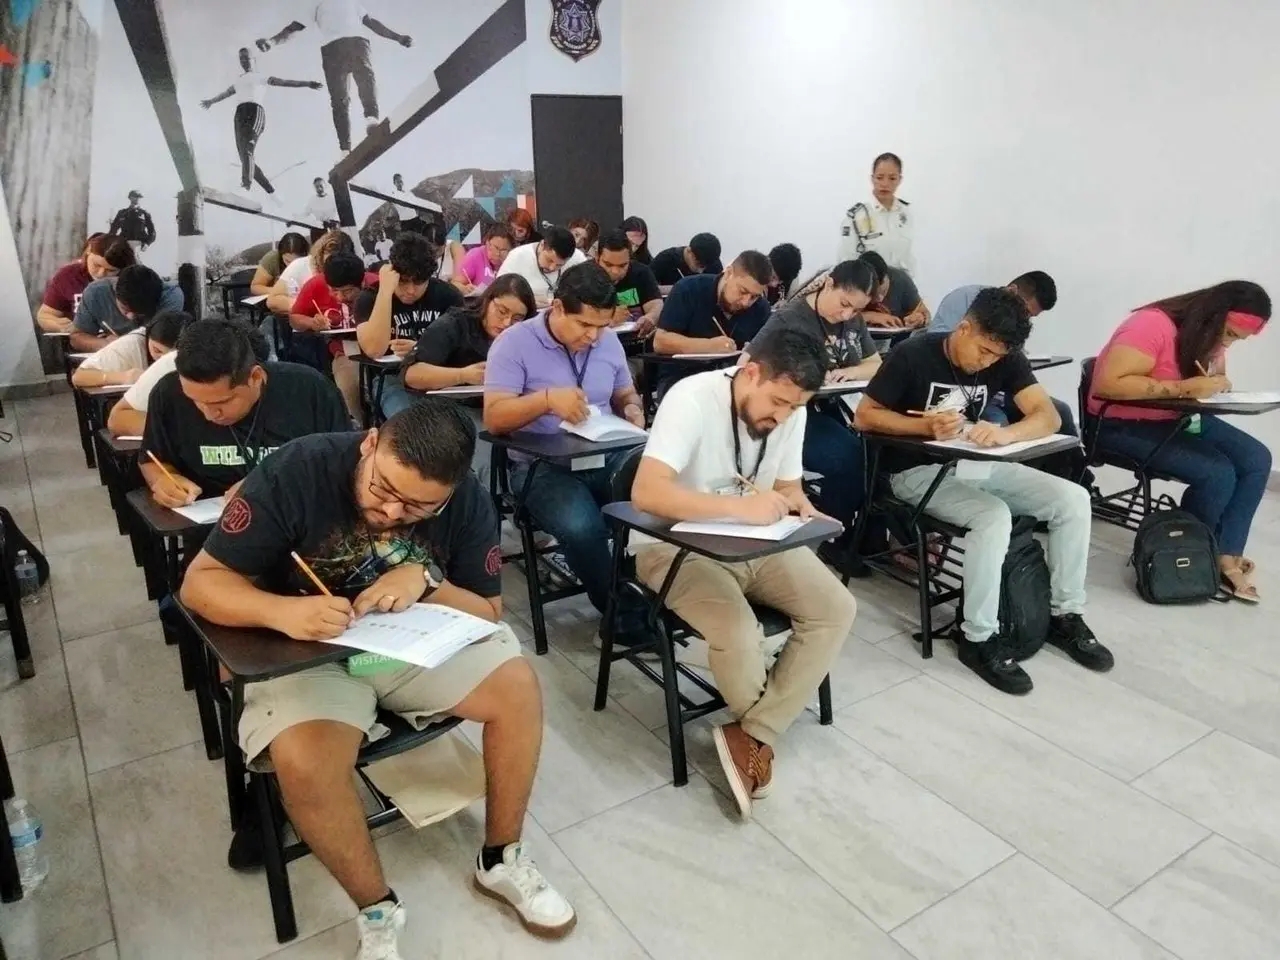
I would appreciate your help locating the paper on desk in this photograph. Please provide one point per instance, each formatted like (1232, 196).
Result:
(112, 388)
(207, 510)
(733, 528)
(79, 356)
(432, 782)
(425, 635)
(705, 356)
(390, 358)
(1039, 357)
(842, 385)
(254, 301)
(139, 439)
(1008, 450)
(602, 426)
(466, 389)
(1241, 397)
(626, 326)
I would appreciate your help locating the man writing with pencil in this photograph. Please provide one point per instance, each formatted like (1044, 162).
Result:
(713, 313)
(728, 443)
(379, 520)
(934, 387)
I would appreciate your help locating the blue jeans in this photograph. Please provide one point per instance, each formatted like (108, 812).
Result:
(835, 451)
(1225, 470)
(1004, 411)
(566, 504)
(394, 397)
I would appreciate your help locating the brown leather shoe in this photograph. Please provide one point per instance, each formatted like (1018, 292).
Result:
(747, 763)
(764, 778)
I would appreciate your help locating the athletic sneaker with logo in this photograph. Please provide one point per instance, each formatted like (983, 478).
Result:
(380, 926)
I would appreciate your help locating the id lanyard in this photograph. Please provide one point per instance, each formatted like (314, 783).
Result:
(579, 374)
(737, 443)
(250, 461)
(547, 277)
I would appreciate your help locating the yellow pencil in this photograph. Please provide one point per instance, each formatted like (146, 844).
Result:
(302, 565)
(163, 468)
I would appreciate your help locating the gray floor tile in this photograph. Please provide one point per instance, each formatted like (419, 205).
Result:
(1020, 910)
(688, 880)
(1093, 831)
(68, 913)
(128, 693)
(163, 826)
(1219, 902)
(98, 588)
(105, 952)
(887, 845)
(1087, 714)
(38, 710)
(1228, 786)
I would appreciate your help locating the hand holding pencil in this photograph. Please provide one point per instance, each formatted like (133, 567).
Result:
(322, 617)
(941, 423)
(1207, 384)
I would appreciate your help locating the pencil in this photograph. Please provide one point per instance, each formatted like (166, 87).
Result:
(1203, 371)
(746, 483)
(163, 468)
(716, 321)
(302, 565)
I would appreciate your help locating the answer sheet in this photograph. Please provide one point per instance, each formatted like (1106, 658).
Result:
(1008, 450)
(733, 528)
(1239, 397)
(207, 510)
(425, 635)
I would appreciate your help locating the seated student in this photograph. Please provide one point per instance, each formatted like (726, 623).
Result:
(787, 264)
(287, 249)
(637, 232)
(897, 302)
(325, 303)
(982, 356)
(128, 416)
(673, 264)
(585, 234)
(832, 316)
(385, 519)
(553, 367)
(115, 305)
(542, 263)
(713, 431)
(713, 313)
(299, 271)
(1038, 293)
(225, 410)
(103, 256)
(522, 227)
(477, 268)
(638, 296)
(1177, 348)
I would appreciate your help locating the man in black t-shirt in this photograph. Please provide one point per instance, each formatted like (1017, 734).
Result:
(949, 378)
(223, 411)
(638, 296)
(384, 519)
(702, 255)
(897, 300)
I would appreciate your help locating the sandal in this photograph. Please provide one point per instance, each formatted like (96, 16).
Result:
(1237, 587)
(1247, 566)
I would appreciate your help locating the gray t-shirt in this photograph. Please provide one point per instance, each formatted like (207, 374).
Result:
(99, 313)
(848, 344)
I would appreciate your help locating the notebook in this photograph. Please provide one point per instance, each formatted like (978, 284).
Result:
(207, 510)
(602, 426)
(732, 528)
(425, 635)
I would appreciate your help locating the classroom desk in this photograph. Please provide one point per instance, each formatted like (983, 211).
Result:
(373, 371)
(1049, 362)
(649, 361)
(624, 517)
(947, 458)
(557, 448)
(1189, 406)
(92, 406)
(842, 388)
(117, 462)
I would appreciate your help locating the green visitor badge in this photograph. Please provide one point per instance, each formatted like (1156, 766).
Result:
(1193, 425)
(367, 664)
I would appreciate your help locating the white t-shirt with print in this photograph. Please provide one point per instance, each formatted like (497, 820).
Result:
(691, 435)
(339, 18)
(524, 261)
(138, 394)
(123, 353)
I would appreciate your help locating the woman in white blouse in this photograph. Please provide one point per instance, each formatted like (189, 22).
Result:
(139, 358)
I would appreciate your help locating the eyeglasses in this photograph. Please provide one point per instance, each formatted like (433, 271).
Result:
(385, 494)
(505, 313)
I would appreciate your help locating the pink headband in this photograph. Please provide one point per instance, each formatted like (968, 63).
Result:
(1250, 323)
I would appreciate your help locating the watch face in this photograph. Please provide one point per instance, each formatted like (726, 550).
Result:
(435, 576)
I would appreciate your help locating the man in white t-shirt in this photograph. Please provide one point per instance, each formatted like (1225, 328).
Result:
(728, 443)
(543, 262)
(321, 208)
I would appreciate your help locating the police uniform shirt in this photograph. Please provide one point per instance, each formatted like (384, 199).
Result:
(887, 232)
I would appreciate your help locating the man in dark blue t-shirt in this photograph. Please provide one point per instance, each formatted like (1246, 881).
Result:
(713, 313)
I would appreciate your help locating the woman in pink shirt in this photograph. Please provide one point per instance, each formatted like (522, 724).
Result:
(1176, 348)
(479, 265)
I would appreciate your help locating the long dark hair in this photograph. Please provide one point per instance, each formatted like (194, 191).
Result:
(1201, 317)
(507, 285)
(641, 253)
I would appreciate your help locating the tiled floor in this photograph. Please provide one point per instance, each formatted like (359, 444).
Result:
(1132, 815)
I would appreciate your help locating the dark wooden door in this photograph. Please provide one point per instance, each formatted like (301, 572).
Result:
(577, 158)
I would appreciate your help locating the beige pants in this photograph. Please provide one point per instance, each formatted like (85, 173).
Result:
(712, 598)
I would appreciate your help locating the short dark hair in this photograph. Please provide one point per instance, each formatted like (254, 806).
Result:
(614, 240)
(412, 256)
(755, 265)
(877, 263)
(166, 326)
(317, 180)
(434, 437)
(855, 275)
(344, 270)
(294, 243)
(499, 229)
(586, 285)
(887, 158)
(115, 250)
(213, 348)
(786, 261)
(1001, 315)
(794, 354)
(1039, 286)
(560, 241)
(705, 248)
(139, 288)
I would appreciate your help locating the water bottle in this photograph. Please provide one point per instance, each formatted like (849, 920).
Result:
(28, 578)
(26, 831)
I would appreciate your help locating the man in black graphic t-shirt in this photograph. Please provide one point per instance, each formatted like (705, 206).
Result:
(407, 299)
(385, 519)
(949, 378)
(639, 298)
(223, 411)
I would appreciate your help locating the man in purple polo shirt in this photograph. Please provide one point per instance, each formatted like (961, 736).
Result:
(554, 367)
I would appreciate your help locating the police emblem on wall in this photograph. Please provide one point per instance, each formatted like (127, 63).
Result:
(575, 29)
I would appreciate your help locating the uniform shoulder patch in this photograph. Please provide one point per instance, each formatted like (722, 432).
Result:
(236, 516)
(493, 561)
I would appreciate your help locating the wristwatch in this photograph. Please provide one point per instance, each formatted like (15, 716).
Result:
(433, 577)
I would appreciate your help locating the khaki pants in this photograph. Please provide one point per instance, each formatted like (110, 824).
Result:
(712, 598)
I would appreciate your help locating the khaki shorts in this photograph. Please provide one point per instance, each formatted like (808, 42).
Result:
(328, 692)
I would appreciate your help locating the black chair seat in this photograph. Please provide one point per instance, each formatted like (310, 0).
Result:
(402, 737)
(772, 621)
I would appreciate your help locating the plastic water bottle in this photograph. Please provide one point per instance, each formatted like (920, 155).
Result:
(28, 578)
(26, 831)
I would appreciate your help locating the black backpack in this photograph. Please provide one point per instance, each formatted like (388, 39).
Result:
(1024, 592)
(1175, 558)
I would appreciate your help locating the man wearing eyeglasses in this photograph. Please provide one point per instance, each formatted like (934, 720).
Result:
(384, 519)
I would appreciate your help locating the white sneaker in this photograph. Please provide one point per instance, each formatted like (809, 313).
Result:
(380, 927)
(518, 883)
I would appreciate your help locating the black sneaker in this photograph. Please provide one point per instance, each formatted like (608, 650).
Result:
(990, 661)
(1071, 634)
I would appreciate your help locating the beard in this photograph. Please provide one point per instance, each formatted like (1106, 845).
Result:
(758, 432)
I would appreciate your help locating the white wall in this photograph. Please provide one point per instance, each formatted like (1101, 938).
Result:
(19, 353)
(1128, 148)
